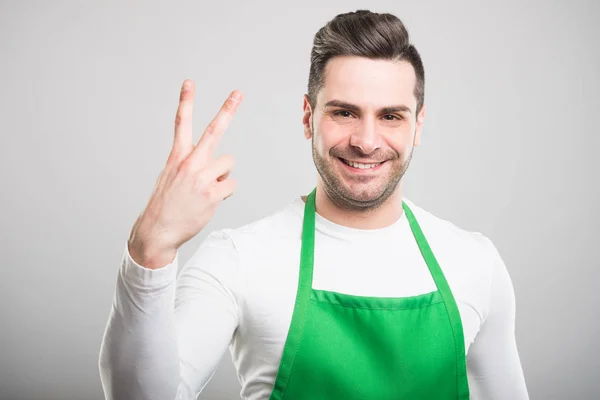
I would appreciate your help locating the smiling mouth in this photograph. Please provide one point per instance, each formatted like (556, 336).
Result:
(361, 165)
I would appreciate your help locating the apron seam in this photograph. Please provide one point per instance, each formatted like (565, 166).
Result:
(378, 308)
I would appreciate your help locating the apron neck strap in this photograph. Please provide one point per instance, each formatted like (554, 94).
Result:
(308, 245)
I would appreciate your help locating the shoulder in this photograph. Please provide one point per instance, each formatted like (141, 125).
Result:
(283, 224)
(446, 235)
(227, 254)
(469, 259)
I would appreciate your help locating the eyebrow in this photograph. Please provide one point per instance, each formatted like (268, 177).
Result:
(356, 109)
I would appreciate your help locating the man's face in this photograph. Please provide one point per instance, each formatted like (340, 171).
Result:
(363, 129)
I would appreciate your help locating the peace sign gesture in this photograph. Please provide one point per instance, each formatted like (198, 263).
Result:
(189, 189)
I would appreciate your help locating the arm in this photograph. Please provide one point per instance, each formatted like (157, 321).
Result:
(165, 336)
(493, 362)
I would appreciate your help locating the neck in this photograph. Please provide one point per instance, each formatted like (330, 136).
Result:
(385, 215)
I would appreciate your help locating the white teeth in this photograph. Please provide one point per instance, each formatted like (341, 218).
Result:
(359, 165)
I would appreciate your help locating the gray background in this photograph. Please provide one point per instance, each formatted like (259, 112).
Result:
(88, 95)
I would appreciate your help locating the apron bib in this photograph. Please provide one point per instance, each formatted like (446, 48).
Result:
(348, 347)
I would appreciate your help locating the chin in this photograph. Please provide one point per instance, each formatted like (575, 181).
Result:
(359, 197)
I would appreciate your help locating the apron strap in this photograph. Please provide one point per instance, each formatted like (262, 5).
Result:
(302, 299)
(448, 298)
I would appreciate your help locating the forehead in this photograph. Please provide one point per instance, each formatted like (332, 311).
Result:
(368, 83)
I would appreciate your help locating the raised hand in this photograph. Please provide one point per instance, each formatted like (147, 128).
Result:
(189, 188)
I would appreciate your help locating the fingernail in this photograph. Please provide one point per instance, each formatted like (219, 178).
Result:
(187, 84)
(237, 96)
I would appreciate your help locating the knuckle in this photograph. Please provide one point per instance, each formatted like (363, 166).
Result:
(207, 192)
(171, 164)
(210, 129)
(229, 105)
(185, 167)
(178, 119)
(174, 155)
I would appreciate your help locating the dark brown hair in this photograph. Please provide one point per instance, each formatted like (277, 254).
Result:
(366, 34)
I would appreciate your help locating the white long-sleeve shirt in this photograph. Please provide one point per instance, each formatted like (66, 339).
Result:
(166, 334)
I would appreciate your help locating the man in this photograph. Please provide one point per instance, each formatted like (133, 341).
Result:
(351, 292)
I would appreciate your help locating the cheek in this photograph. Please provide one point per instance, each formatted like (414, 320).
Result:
(400, 138)
(396, 147)
(328, 134)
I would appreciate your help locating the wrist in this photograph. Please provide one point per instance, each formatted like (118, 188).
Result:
(151, 256)
(149, 251)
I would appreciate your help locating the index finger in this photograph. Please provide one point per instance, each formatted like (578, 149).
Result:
(211, 136)
(182, 141)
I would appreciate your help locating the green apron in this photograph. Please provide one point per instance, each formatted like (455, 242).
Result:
(348, 347)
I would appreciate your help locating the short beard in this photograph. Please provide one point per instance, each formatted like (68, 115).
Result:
(336, 190)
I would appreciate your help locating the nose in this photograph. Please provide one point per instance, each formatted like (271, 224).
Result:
(365, 137)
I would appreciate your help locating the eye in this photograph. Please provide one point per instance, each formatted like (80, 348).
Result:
(390, 117)
(342, 113)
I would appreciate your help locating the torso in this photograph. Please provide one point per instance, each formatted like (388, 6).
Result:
(381, 263)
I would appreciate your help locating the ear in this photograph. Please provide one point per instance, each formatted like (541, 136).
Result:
(307, 118)
(420, 119)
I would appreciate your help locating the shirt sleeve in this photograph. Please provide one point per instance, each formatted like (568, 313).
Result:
(494, 367)
(166, 334)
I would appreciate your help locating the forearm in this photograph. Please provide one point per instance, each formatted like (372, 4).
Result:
(166, 334)
(139, 354)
